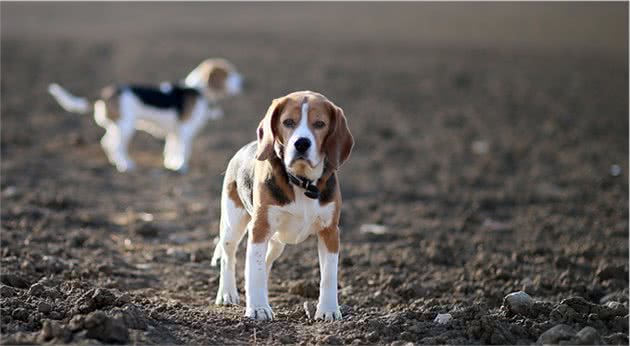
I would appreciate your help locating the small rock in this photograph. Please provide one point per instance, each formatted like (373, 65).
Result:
(178, 254)
(373, 229)
(616, 339)
(307, 289)
(6, 291)
(443, 318)
(608, 272)
(147, 230)
(14, 280)
(553, 336)
(20, 314)
(44, 307)
(518, 302)
(345, 309)
(76, 322)
(51, 330)
(103, 297)
(286, 339)
(36, 290)
(373, 336)
(480, 147)
(332, 340)
(589, 336)
(100, 326)
(200, 255)
(133, 318)
(310, 309)
(179, 239)
(615, 170)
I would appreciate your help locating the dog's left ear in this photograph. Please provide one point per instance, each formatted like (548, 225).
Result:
(339, 141)
(266, 132)
(209, 74)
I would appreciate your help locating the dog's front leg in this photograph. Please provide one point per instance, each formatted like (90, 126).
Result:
(256, 276)
(328, 250)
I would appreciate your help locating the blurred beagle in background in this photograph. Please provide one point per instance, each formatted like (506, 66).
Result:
(280, 189)
(174, 111)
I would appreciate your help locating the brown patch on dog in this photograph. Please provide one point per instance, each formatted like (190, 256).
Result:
(109, 95)
(189, 100)
(217, 77)
(271, 188)
(330, 237)
(232, 193)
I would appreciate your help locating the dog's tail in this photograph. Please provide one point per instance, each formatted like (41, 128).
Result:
(67, 101)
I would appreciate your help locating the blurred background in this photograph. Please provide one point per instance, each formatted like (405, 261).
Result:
(491, 156)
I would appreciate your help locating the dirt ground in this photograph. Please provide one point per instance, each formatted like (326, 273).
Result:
(491, 144)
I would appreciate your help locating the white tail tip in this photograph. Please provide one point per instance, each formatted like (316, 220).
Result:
(68, 101)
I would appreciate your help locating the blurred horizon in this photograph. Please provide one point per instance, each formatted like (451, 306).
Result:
(532, 25)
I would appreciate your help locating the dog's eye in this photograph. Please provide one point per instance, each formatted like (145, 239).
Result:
(319, 124)
(289, 123)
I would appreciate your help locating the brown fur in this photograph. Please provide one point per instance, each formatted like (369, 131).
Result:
(232, 194)
(190, 100)
(109, 95)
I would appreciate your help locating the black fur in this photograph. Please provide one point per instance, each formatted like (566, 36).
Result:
(276, 192)
(171, 97)
(327, 194)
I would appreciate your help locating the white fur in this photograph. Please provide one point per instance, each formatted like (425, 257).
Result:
(233, 225)
(256, 282)
(303, 131)
(294, 222)
(68, 101)
(289, 224)
(328, 306)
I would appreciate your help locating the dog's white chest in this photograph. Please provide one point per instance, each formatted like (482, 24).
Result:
(294, 222)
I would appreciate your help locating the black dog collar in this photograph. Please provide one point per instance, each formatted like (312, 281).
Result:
(311, 190)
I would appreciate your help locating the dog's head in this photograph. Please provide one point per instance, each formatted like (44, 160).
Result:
(217, 77)
(305, 130)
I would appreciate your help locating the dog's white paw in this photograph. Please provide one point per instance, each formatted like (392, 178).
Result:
(328, 314)
(226, 298)
(260, 313)
(125, 166)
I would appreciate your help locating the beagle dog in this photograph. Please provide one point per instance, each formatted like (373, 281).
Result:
(174, 111)
(280, 189)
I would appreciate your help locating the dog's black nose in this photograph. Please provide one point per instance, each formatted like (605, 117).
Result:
(302, 145)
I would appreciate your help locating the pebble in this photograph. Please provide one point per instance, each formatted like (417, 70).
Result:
(518, 302)
(332, 340)
(480, 147)
(373, 229)
(20, 314)
(615, 170)
(589, 336)
(44, 307)
(6, 291)
(443, 318)
(51, 329)
(554, 335)
(111, 330)
(178, 254)
(310, 308)
(14, 280)
(608, 272)
(307, 289)
(36, 290)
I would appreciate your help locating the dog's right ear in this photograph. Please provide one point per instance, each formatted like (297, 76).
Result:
(266, 132)
(199, 76)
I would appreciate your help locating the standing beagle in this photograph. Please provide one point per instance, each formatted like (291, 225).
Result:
(174, 111)
(281, 189)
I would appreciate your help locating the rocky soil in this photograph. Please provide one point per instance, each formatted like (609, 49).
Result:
(486, 201)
